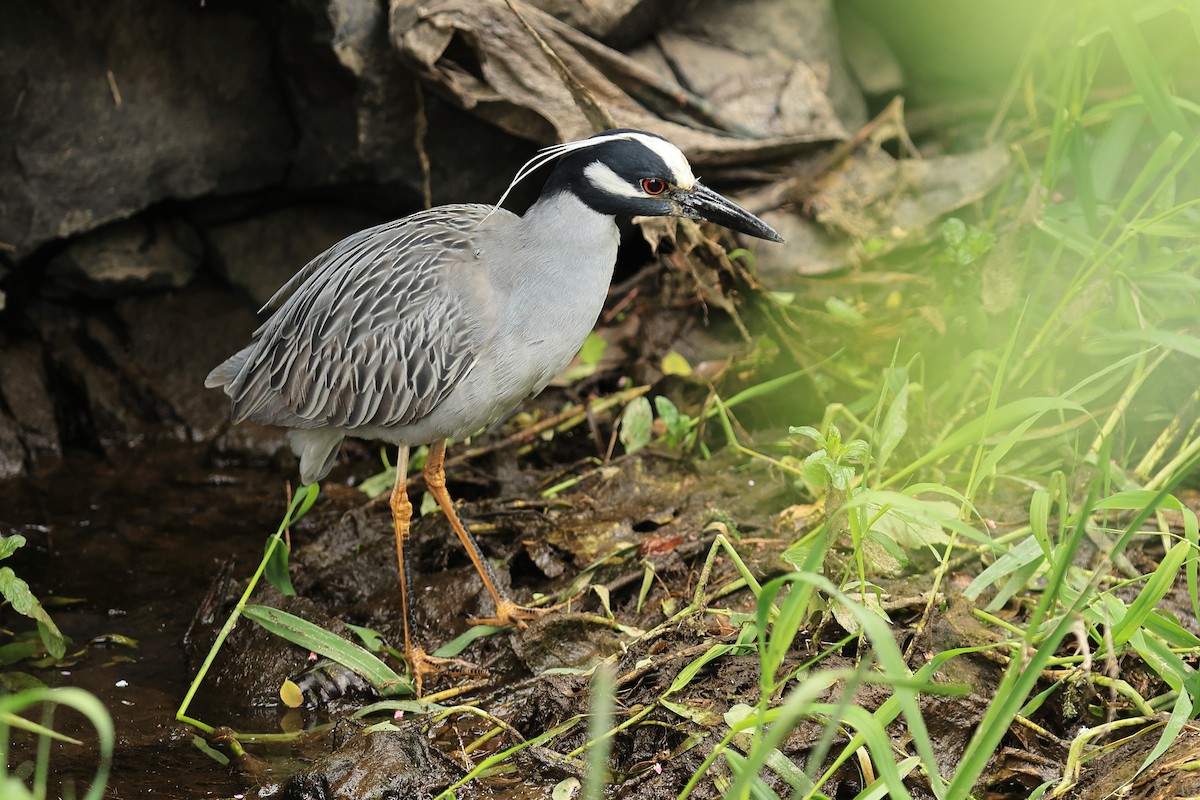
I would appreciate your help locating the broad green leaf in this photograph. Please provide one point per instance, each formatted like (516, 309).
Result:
(276, 571)
(884, 553)
(10, 544)
(371, 638)
(13, 652)
(302, 501)
(921, 511)
(676, 422)
(675, 364)
(636, 425)
(807, 431)
(593, 349)
(17, 593)
(912, 529)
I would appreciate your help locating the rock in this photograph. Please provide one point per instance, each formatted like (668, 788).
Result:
(97, 409)
(149, 252)
(131, 369)
(385, 764)
(363, 118)
(25, 393)
(871, 199)
(260, 254)
(868, 53)
(772, 65)
(12, 453)
(169, 342)
(112, 106)
(617, 23)
(479, 55)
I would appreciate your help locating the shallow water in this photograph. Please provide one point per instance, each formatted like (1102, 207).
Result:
(138, 539)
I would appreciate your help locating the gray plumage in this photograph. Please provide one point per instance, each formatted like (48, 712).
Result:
(390, 325)
(435, 325)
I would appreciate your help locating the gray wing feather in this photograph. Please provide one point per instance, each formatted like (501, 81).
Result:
(371, 332)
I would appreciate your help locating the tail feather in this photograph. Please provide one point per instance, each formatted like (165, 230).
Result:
(225, 372)
(317, 449)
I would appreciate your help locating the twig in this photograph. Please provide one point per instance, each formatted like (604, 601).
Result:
(419, 133)
(112, 87)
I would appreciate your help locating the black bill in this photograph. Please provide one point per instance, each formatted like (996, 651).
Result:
(702, 202)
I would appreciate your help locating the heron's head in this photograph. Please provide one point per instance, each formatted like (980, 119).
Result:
(635, 173)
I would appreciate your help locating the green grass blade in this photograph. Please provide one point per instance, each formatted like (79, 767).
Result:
(301, 632)
(974, 431)
(1151, 83)
(459, 643)
(85, 704)
(16, 721)
(600, 715)
(1156, 588)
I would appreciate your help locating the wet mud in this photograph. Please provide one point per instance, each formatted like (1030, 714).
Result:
(156, 545)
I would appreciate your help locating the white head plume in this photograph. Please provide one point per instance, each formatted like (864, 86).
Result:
(668, 152)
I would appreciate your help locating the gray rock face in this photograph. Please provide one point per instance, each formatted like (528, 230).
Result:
(25, 393)
(363, 118)
(133, 255)
(109, 107)
(108, 378)
(617, 23)
(258, 255)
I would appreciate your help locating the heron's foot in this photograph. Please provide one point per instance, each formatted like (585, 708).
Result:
(421, 665)
(509, 613)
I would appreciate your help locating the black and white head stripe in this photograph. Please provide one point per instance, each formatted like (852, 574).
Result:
(679, 172)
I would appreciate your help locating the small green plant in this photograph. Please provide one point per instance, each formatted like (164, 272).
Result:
(640, 426)
(965, 244)
(18, 596)
(831, 467)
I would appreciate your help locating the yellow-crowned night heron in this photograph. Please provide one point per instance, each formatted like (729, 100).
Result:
(436, 325)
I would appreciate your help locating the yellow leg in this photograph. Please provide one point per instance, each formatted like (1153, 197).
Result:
(507, 612)
(401, 522)
(419, 663)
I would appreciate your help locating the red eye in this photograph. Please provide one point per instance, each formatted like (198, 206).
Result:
(654, 185)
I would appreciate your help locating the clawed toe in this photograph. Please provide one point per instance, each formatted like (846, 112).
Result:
(421, 664)
(509, 614)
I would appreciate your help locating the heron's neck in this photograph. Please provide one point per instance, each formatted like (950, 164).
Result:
(568, 239)
(559, 263)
